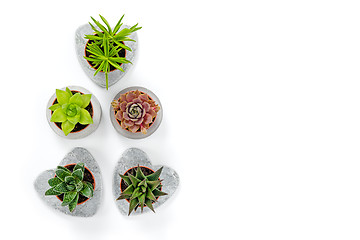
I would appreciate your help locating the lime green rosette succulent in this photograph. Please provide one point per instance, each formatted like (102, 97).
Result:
(70, 110)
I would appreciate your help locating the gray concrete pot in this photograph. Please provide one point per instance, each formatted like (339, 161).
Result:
(86, 209)
(133, 157)
(114, 76)
(137, 135)
(90, 128)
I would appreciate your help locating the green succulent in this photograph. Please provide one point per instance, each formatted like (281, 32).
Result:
(70, 184)
(106, 45)
(142, 190)
(70, 110)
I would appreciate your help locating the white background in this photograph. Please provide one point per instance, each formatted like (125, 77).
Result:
(261, 117)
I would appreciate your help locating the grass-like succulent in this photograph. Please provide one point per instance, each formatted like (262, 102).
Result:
(141, 190)
(106, 45)
(70, 110)
(71, 184)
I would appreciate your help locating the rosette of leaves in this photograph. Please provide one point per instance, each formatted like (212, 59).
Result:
(70, 184)
(142, 190)
(70, 110)
(106, 45)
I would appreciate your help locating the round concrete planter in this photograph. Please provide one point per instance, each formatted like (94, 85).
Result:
(137, 135)
(84, 132)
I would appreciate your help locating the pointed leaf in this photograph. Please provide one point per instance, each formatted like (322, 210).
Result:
(150, 195)
(142, 201)
(86, 191)
(153, 184)
(86, 100)
(158, 193)
(134, 180)
(61, 173)
(126, 179)
(149, 204)
(123, 196)
(58, 116)
(78, 173)
(139, 174)
(67, 127)
(62, 96)
(54, 107)
(76, 99)
(69, 180)
(79, 166)
(154, 176)
(129, 190)
(69, 197)
(61, 188)
(85, 117)
(73, 204)
(133, 204)
(54, 181)
(51, 191)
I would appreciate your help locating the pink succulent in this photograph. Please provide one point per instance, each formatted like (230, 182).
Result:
(135, 111)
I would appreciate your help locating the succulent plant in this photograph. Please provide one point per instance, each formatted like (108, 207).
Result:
(70, 110)
(141, 190)
(135, 110)
(71, 184)
(106, 45)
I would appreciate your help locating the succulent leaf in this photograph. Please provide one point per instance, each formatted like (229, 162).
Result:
(70, 110)
(154, 176)
(148, 203)
(134, 180)
(133, 203)
(61, 173)
(78, 173)
(67, 127)
(79, 166)
(73, 204)
(126, 179)
(62, 188)
(58, 116)
(71, 184)
(107, 44)
(141, 192)
(87, 191)
(69, 197)
(62, 96)
(85, 117)
(51, 191)
(54, 181)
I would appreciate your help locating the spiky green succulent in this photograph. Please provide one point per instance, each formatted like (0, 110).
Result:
(106, 45)
(142, 190)
(70, 110)
(71, 184)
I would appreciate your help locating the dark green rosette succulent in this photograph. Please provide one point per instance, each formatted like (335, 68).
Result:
(71, 184)
(142, 190)
(106, 45)
(70, 110)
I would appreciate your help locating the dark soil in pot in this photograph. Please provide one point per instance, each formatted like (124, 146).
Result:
(88, 176)
(78, 127)
(122, 53)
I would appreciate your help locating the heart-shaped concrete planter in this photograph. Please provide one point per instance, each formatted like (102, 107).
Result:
(87, 208)
(131, 158)
(137, 135)
(114, 76)
(96, 108)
